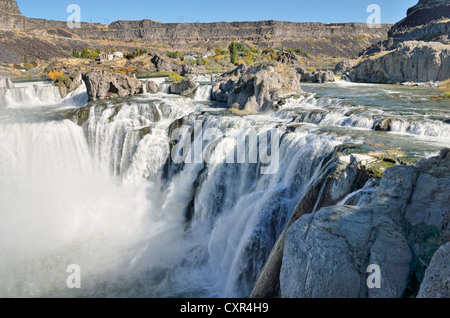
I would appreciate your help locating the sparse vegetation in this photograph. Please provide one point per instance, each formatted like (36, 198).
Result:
(175, 78)
(299, 51)
(311, 69)
(87, 53)
(137, 52)
(175, 55)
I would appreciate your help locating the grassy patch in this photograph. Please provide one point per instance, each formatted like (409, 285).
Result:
(238, 112)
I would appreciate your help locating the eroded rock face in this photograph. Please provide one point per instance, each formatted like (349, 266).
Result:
(410, 61)
(288, 58)
(316, 77)
(164, 64)
(184, 88)
(152, 87)
(257, 88)
(427, 21)
(344, 66)
(436, 283)
(102, 84)
(326, 255)
(399, 228)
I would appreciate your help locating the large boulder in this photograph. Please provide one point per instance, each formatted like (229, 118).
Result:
(326, 255)
(415, 61)
(152, 87)
(288, 58)
(436, 283)
(76, 81)
(257, 88)
(316, 77)
(102, 84)
(185, 88)
(164, 64)
(345, 66)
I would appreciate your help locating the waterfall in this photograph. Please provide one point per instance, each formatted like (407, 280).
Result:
(51, 215)
(77, 98)
(30, 96)
(203, 93)
(101, 189)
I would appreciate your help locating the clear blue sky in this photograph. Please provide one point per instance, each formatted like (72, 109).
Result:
(326, 11)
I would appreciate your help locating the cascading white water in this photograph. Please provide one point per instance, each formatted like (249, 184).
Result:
(203, 93)
(58, 209)
(108, 197)
(76, 98)
(30, 96)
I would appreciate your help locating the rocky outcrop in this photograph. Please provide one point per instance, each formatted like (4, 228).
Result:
(327, 254)
(410, 61)
(426, 21)
(164, 64)
(345, 66)
(102, 84)
(186, 87)
(316, 77)
(417, 49)
(399, 227)
(288, 58)
(257, 88)
(436, 283)
(9, 7)
(339, 177)
(338, 39)
(152, 87)
(77, 80)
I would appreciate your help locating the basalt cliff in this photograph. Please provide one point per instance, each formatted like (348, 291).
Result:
(417, 49)
(338, 39)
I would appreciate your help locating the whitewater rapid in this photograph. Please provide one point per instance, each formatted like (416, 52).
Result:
(96, 186)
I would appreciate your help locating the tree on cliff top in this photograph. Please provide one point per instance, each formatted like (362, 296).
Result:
(233, 53)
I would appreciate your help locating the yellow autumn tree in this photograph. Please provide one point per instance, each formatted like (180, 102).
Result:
(53, 75)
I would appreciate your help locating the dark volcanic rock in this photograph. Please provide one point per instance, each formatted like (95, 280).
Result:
(288, 58)
(426, 21)
(344, 66)
(411, 61)
(164, 64)
(257, 88)
(102, 84)
(437, 277)
(316, 77)
(184, 88)
(338, 39)
(152, 87)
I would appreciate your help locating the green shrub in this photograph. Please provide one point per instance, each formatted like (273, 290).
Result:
(250, 58)
(175, 55)
(446, 95)
(241, 47)
(175, 78)
(311, 69)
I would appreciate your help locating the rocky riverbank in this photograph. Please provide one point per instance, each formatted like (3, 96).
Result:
(398, 225)
(417, 49)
